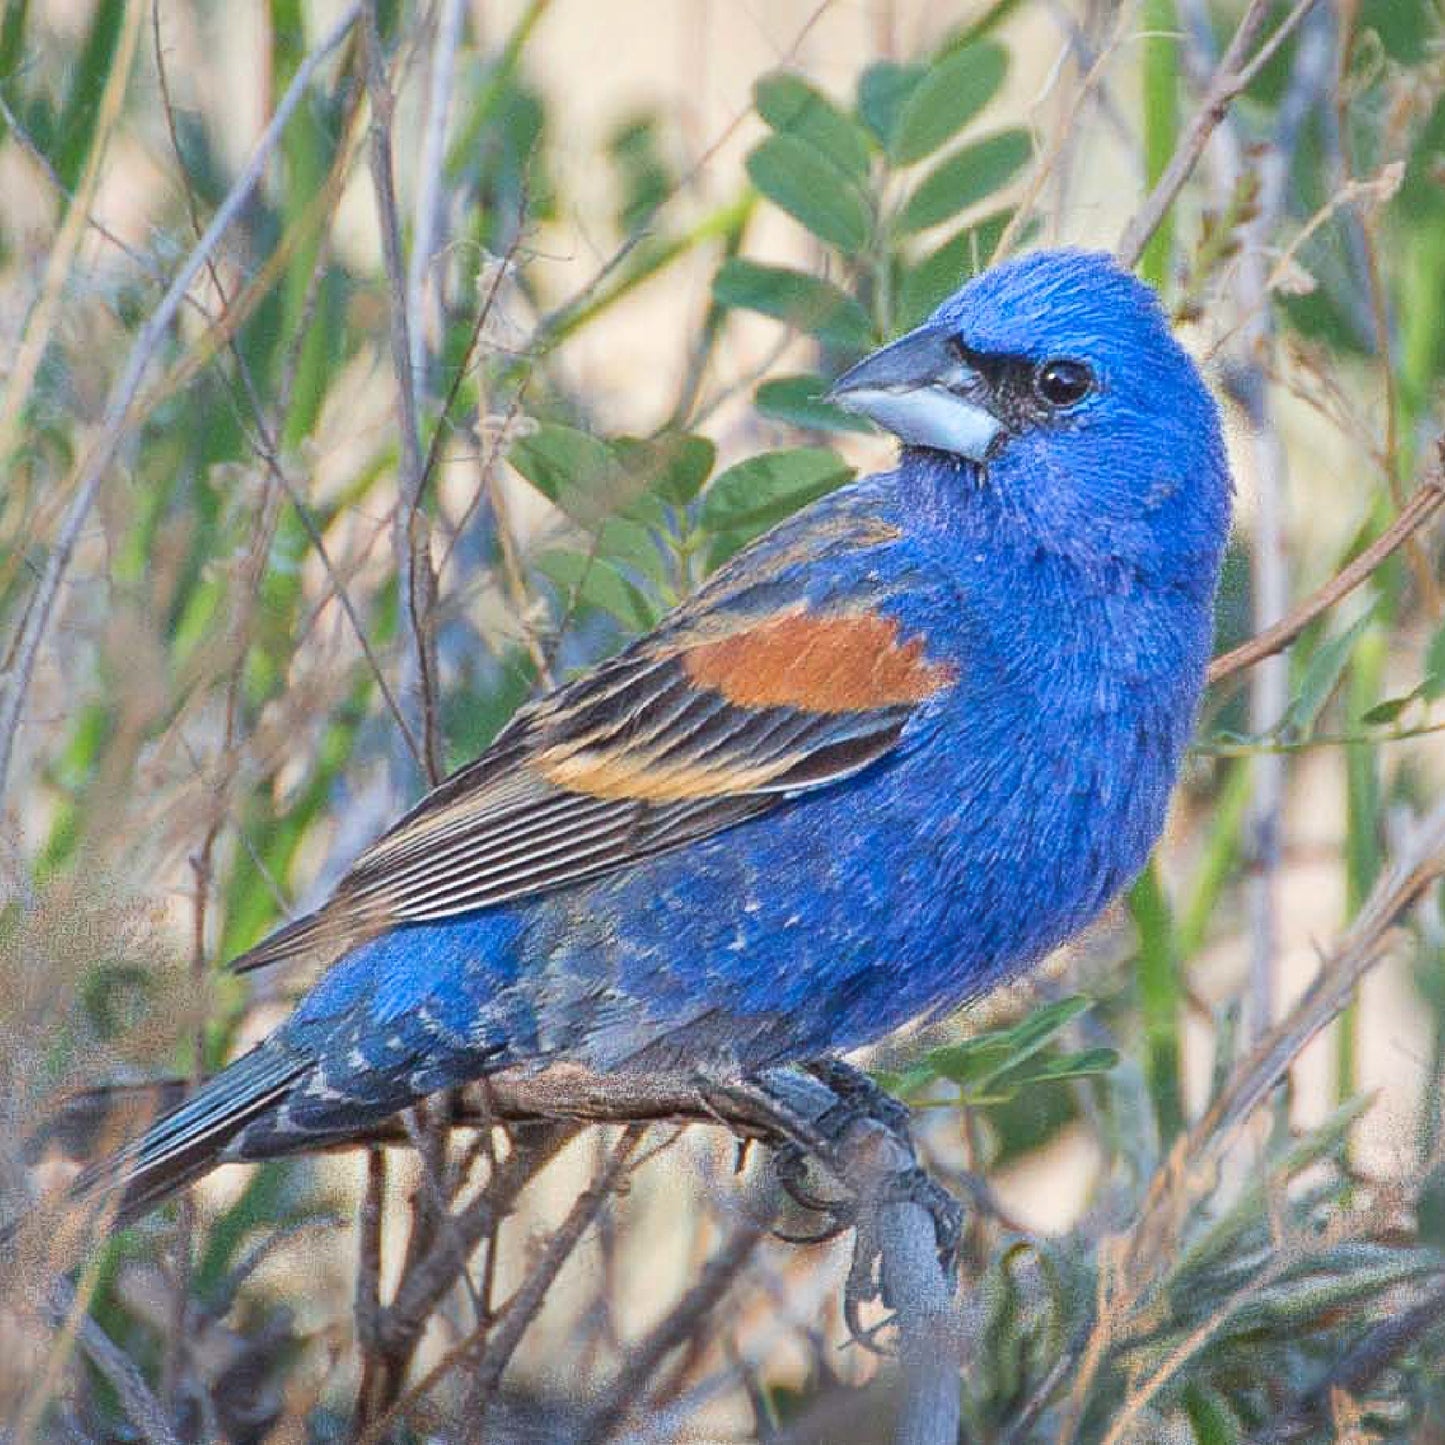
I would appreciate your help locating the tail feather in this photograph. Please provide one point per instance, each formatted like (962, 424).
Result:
(188, 1141)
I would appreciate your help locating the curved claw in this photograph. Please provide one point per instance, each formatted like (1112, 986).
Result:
(866, 1335)
(916, 1186)
(790, 1164)
(822, 1236)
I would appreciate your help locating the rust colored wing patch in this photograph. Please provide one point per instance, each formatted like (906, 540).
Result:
(819, 664)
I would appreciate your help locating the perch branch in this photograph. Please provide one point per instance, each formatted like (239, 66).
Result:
(1232, 75)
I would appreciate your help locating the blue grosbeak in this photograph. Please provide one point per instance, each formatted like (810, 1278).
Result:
(896, 750)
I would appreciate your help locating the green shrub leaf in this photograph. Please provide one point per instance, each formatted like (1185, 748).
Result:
(764, 489)
(966, 177)
(950, 95)
(883, 91)
(940, 273)
(571, 468)
(794, 108)
(673, 467)
(806, 302)
(596, 582)
(1434, 684)
(1321, 676)
(797, 400)
(803, 182)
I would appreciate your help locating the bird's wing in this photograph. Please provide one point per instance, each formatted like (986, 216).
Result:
(742, 697)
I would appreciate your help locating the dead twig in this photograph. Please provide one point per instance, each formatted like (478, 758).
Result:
(1131, 1264)
(681, 1323)
(416, 581)
(1232, 76)
(1359, 1367)
(1428, 499)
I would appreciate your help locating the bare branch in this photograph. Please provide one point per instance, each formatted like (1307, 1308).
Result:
(680, 1323)
(416, 582)
(1231, 77)
(428, 207)
(1428, 499)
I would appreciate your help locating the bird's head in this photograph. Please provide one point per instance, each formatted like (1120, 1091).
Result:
(1052, 382)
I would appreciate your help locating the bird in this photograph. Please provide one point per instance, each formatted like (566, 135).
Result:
(886, 758)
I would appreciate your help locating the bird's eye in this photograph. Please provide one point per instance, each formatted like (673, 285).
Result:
(1062, 382)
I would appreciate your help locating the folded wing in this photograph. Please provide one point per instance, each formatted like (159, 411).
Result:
(714, 719)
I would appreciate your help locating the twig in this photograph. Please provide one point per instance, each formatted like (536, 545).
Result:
(427, 210)
(1428, 499)
(915, 1285)
(367, 1306)
(416, 582)
(40, 324)
(1418, 862)
(67, 1312)
(1358, 1368)
(428, 1278)
(265, 439)
(1231, 77)
(1128, 1263)
(1065, 134)
(141, 1407)
(101, 453)
(683, 1320)
(521, 1309)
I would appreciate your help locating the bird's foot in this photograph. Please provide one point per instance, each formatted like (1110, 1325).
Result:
(857, 1139)
(860, 1097)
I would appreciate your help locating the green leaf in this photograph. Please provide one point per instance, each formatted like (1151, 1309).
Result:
(1388, 710)
(589, 479)
(1087, 1063)
(1210, 1417)
(883, 91)
(634, 545)
(794, 108)
(564, 463)
(797, 401)
(1430, 1208)
(946, 99)
(966, 177)
(1434, 684)
(87, 74)
(978, 1062)
(941, 272)
(597, 583)
(766, 488)
(673, 466)
(803, 182)
(644, 178)
(806, 302)
(1210, 1249)
(1322, 675)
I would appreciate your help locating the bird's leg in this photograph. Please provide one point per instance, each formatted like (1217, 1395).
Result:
(859, 1096)
(833, 1133)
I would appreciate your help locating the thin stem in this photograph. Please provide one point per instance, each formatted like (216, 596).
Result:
(1428, 499)
(1231, 76)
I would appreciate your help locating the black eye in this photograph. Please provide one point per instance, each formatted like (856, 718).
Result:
(1062, 382)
